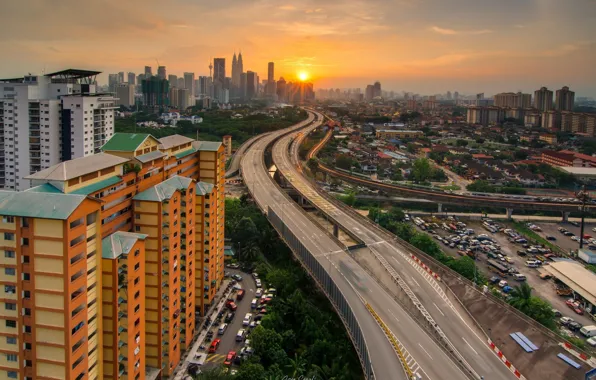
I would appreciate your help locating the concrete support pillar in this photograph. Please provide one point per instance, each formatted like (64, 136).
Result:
(509, 213)
(566, 216)
(336, 230)
(440, 208)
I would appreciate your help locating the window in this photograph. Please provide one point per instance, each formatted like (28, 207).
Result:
(11, 374)
(137, 216)
(10, 289)
(8, 219)
(137, 266)
(137, 228)
(11, 357)
(137, 280)
(10, 306)
(137, 294)
(9, 254)
(11, 340)
(91, 218)
(10, 271)
(10, 323)
(8, 236)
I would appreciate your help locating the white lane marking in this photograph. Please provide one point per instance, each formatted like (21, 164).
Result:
(393, 315)
(472, 348)
(416, 282)
(438, 309)
(431, 358)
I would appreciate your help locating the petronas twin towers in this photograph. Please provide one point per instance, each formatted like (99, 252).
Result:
(237, 70)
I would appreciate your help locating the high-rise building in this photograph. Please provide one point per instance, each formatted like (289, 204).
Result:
(513, 100)
(184, 99)
(112, 82)
(456, 96)
(281, 90)
(121, 77)
(227, 143)
(565, 99)
(449, 96)
(236, 71)
(125, 250)
(155, 92)
(270, 87)
(551, 120)
(219, 70)
(240, 64)
(181, 83)
(189, 83)
(243, 85)
(148, 72)
(161, 72)
(131, 78)
(53, 118)
(140, 78)
(173, 79)
(251, 84)
(543, 100)
(125, 95)
(377, 89)
(203, 85)
(369, 93)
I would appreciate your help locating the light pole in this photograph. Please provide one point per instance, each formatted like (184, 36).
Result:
(584, 197)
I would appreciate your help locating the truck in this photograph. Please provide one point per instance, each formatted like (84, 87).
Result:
(588, 257)
(588, 331)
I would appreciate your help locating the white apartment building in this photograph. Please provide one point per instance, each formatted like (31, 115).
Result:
(47, 119)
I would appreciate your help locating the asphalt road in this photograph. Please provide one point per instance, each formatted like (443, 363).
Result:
(237, 157)
(452, 318)
(383, 358)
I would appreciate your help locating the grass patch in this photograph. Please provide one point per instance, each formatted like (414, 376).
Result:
(533, 236)
(450, 187)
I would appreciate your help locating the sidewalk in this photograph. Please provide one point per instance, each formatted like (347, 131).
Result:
(189, 355)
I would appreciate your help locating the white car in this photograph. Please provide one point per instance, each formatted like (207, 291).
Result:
(258, 281)
(247, 319)
(592, 342)
(502, 284)
(259, 293)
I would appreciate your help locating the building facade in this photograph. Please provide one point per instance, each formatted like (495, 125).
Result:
(543, 99)
(125, 95)
(565, 99)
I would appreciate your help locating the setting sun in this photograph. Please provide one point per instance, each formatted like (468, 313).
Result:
(303, 75)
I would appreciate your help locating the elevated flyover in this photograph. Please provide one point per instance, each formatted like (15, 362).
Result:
(234, 167)
(356, 286)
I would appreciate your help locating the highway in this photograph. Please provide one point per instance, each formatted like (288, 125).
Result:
(237, 156)
(425, 357)
(452, 318)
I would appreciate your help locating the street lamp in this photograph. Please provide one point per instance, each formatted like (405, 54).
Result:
(584, 198)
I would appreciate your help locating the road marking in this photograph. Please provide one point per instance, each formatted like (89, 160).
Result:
(472, 348)
(431, 358)
(393, 315)
(416, 282)
(438, 309)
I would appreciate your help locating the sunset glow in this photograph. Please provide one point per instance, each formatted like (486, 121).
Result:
(303, 76)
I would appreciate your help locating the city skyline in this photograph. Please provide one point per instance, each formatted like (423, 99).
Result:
(415, 47)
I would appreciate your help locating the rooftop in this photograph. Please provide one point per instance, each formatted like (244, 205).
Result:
(203, 188)
(119, 243)
(185, 153)
(173, 140)
(164, 190)
(75, 168)
(125, 142)
(579, 170)
(74, 73)
(576, 277)
(150, 156)
(207, 146)
(32, 204)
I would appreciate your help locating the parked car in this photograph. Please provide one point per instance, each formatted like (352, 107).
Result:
(222, 329)
(495, 280)
(502, 283)
(557, 313)
(237, 277)
(214, 345)
(551, 238)
(574, 326)
(546, 276)
(565, 321)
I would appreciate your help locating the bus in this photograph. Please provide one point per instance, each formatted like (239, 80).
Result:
(497, 265)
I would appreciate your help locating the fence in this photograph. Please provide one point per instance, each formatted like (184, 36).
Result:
(333, 293)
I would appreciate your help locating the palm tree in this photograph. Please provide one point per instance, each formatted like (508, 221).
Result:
(521, 296)
(296, 366)
(249, 252)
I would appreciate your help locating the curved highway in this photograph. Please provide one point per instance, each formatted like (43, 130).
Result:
(468, 341)
(237, 156)
(425, 358)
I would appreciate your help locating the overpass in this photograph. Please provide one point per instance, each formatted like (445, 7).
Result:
(234, 167)
(352, 290)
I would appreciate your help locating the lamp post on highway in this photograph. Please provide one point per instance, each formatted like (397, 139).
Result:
(584, 198)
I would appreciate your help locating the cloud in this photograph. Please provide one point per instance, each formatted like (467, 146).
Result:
(288, 7)
(453, 32)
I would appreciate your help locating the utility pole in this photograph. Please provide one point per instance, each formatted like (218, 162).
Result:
(584, 197)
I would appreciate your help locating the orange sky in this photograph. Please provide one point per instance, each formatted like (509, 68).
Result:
(425, 46)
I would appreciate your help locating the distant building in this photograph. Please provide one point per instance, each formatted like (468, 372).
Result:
(565, 99)
(227, 143)
(148, 72)
(189, 83)
(181, 83)
(548, 138)
(251, 84)
(125, 94)
(513, 100)
(131, 78)
(155, 92)
(219, 70)
(173, 79)
(161, 72)
(543, 99)
(388, 134)
(551, 120)
(369, 93)
(377, 89)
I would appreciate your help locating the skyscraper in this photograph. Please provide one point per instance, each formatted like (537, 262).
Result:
(125, 93)
(131, 78)
(369, 93)
(161, 72)
(377, 89)
(181, 83)
(251, 84)
(565, 99)
(281, 90)
(219, 70)
(235, 72)
(148, 72)
(112, 82)
(543, 99)
(270, 89)
(155, 92)
(189, 83)
(240, 64)
(203, 85)
(121, 77)
(173, 79)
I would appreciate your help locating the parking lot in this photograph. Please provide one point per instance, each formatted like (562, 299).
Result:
(226, 347)
(494, 246)
(565, 242)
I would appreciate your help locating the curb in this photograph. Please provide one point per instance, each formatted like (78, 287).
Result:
(426, 268)
(499, 353)
(580, 355)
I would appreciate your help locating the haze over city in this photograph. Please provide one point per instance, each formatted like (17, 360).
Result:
(425, 46)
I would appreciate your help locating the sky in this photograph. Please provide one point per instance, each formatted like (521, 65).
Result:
(421, 46)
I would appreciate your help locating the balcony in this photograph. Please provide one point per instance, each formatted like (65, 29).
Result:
(121, 344)
(121, 301)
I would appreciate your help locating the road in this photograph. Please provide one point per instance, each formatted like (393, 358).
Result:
(452, 318)
(355, 284)
(237, 157)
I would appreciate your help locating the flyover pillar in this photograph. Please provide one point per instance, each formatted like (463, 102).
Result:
(566, 216)
(336, 230)
(440, 208)
(509, 213)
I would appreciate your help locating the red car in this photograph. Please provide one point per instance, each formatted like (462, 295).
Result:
(570, 303)
(214, 345)
(231, 305)
(578, 311)
(230, 358)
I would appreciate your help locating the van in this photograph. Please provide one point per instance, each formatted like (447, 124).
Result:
(588, 331)
(532, 264)
(222, 329)
(519, 277)
(240, 336)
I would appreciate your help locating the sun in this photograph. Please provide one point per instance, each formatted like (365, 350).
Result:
(303, 76)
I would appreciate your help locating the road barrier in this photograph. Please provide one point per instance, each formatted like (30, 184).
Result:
(325, 282)
(507, 363)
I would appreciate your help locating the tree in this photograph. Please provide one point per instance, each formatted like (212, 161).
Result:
(343, 161)
(421, 170)
(465, 266)
(426, 244)
(250, 371)
(313, 165)
(296, 366)
(403, 230)
(521, 296)
(521, 154)
(411, 148)
(461, 142)
(249, 252)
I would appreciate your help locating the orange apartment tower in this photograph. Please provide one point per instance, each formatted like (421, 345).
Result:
(55, 263)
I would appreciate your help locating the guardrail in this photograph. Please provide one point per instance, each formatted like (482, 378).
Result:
(325, 282)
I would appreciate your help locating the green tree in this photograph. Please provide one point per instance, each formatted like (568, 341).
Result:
(521, 296)
(296, 366)
(249, 252)
(461, 142)
(250, 371)
(421, 170)
(313, 165)
(521, 154)
(403, 230)
(212, 374)
(343, 161)
(411, 148)
(465, 266)
(426, 244)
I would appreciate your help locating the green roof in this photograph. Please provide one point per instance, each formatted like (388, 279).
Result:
(150, 156)
(125, 142)
(45, 188)
(164, 190)
(86, 190)
(185, 153)
(32, 204)
(208, 146)
(203, 188)
(119, 243)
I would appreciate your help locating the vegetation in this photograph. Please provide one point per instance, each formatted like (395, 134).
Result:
(480, 186)
(216, 124)
(534, 307)
(550, 173)
(301, 336)
(343, 161)
(422, 171)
